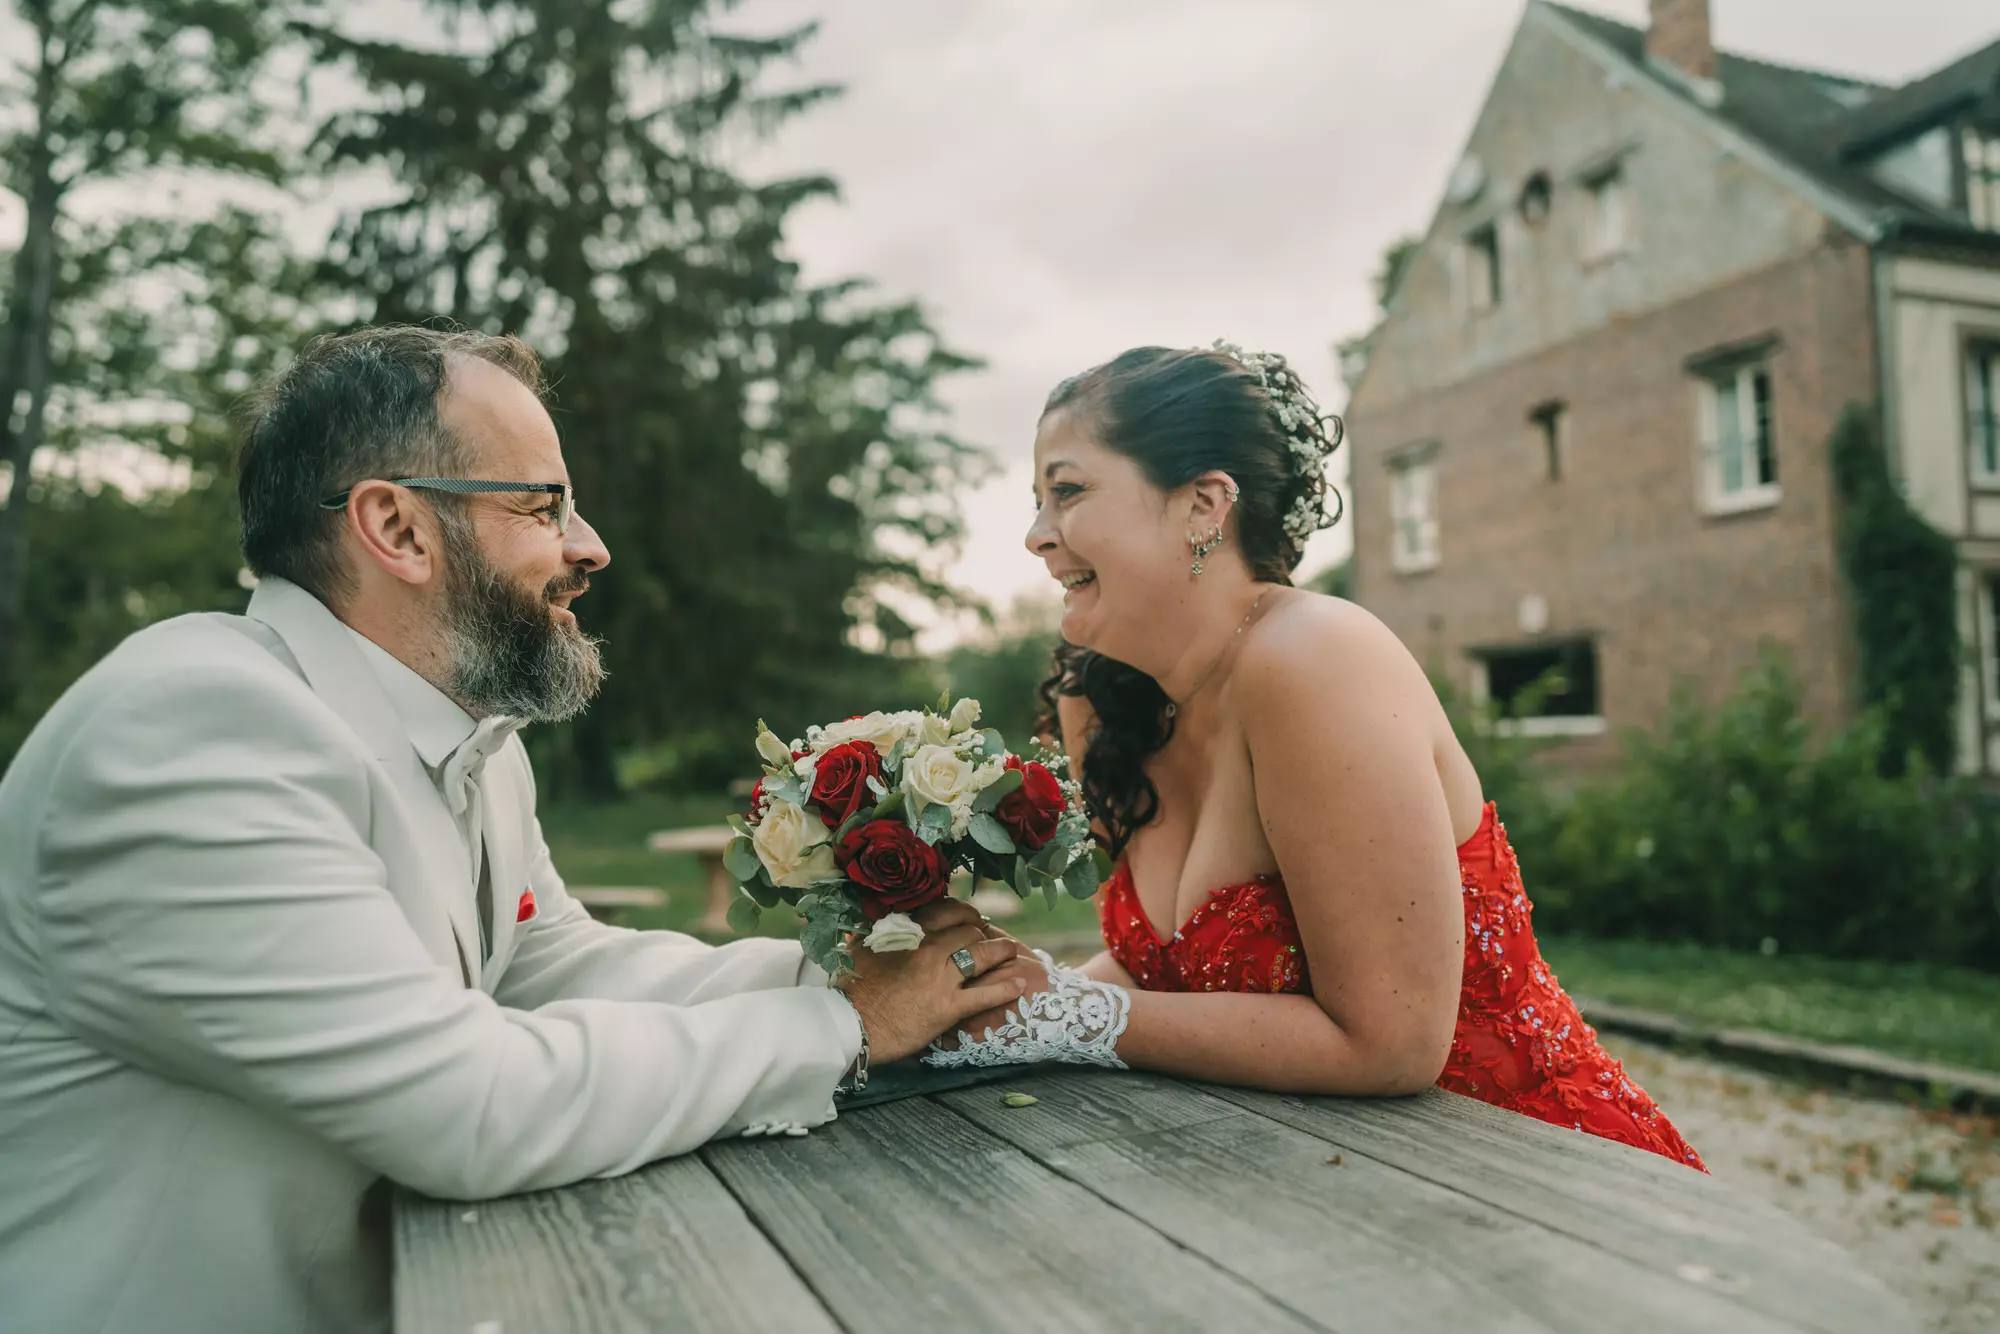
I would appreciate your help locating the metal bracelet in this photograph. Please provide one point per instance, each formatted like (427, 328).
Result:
(856, 1078)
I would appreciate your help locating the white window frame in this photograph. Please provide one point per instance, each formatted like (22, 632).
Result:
(1607, 219)
(1982, 409)
(1716, 496)
(1536, 725)
(1413, 515)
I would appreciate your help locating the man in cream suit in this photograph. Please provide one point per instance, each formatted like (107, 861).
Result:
(277, 922)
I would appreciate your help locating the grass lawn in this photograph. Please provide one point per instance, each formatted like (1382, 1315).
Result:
(606, 845)
(1915, 1010)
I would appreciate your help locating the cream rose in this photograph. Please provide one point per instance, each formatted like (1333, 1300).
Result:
(933, 731)
(885, 730)
(894, 934)
(964, 714)
(793, 847)
(937, 776)
(775, 752)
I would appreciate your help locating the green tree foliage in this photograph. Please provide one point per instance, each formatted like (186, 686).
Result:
(96, 93)
(1900, 574)
(139, 521)
(764, 457)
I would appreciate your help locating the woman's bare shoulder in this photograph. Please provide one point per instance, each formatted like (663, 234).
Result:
(1309, 640)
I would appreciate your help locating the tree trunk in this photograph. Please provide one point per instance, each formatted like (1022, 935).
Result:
(25, 367)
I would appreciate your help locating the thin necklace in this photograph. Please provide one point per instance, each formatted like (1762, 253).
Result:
(1173, 709)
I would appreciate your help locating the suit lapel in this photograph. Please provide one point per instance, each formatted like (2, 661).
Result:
(339, 675)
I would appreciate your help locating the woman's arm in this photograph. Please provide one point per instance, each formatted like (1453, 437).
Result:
(1348, 794)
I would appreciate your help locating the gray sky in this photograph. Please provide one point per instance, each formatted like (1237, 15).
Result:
(1061, 179)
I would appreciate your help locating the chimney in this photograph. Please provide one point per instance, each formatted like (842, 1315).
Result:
(1679, 35)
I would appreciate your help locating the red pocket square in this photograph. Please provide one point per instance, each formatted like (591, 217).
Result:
(527, 908)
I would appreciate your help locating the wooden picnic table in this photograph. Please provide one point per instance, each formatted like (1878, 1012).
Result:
(1137, 1202)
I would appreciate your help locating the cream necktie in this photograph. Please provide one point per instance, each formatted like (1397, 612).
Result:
(459, 781)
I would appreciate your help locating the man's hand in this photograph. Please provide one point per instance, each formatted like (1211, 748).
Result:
(909, 997)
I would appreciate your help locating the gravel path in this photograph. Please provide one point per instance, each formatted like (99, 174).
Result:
(1914, 1195)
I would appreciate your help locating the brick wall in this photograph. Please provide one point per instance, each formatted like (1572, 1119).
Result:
(1620, 546)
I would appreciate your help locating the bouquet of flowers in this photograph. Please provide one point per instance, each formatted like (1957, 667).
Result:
(865, 821)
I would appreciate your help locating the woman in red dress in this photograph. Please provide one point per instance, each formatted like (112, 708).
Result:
(1312, 894)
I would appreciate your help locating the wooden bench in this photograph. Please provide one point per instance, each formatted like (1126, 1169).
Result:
(706, 843)
(601, 899)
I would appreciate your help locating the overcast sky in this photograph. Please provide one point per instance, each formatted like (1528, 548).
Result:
(1061, 179)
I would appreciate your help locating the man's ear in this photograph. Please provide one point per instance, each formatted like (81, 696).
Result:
(396, 532)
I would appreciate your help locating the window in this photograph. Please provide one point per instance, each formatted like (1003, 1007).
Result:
(1982, 178)
(1739, 455)
(1546, 690)
(1413, 513)
(1982, 412)
(1482, 268)
(1607, 224)
(1535, 199)
(1548, 420)
(1991, 666)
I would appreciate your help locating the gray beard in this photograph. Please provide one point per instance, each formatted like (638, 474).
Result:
(505, 653)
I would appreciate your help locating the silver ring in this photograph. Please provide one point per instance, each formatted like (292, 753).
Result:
(968, 967)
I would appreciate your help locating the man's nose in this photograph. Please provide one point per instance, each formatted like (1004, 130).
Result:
(582, 546)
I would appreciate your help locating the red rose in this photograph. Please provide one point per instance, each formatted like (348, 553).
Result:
(840, 781)
(1031, 811)
(897, 870)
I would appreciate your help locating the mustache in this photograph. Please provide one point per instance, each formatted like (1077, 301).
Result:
(576, 581)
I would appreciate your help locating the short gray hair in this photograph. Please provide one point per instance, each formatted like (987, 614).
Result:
(351, 407)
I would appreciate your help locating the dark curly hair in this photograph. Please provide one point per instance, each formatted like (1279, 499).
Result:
(1178, 414)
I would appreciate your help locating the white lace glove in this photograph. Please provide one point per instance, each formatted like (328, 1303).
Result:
(1076, 1021)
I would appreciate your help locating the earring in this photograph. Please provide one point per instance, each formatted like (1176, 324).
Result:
(1202, 547)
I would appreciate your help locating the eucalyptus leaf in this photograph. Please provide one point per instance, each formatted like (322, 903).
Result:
(1080, 880)
(743, 915)
(994, 793)
(890, 806)
(740, 859)
(991, 744)
(739, 824)
(935, 824)
(990, 834)
(765, 894)
(1049, 892)
(852, 823)
(1102, 861)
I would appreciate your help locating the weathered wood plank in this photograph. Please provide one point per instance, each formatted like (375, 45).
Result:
(907, 1217)
(1359, 1245)
(1629, 1203)
(665, 1248)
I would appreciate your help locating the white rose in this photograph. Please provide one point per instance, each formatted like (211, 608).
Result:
(775, 752)
(937, 775)
(933, 731)
(793, 847)
(964, 714)
(895, 933)
(884, 730)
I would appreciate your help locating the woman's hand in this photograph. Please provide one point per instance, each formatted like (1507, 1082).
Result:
(1024, 969)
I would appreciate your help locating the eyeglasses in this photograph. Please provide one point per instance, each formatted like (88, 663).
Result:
(565, 505)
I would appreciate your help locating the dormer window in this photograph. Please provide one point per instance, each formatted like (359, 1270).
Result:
(1479, 260)
(1982, 176)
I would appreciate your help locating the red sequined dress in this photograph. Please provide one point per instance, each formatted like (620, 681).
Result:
(1520, 1042)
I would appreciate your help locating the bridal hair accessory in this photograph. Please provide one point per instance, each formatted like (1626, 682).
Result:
(1310, 435)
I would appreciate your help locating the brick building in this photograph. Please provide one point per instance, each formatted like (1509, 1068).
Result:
(1591, 430)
